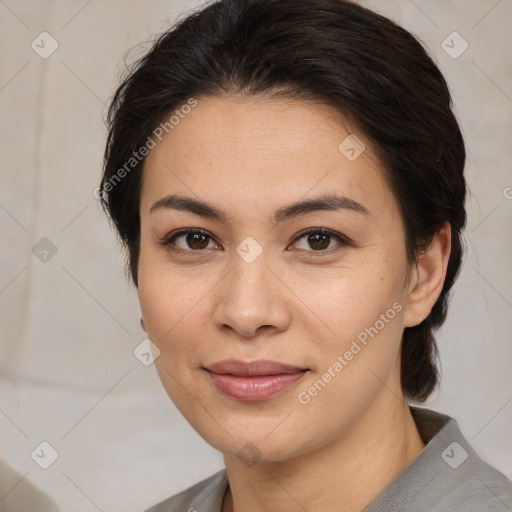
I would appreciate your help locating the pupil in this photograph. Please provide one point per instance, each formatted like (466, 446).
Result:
(319, 241)
(197, 241)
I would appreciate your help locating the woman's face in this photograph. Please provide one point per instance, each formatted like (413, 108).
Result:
(330, 303)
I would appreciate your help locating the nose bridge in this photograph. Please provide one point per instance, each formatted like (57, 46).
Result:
(250, 296)
(248, 283)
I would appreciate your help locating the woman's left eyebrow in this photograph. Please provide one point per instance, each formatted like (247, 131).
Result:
(327, 202)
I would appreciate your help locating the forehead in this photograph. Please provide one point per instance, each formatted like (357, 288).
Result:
(270, 150)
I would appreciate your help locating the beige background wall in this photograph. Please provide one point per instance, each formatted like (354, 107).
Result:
(69, 325)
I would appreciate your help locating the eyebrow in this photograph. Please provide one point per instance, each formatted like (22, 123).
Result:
(326, 202)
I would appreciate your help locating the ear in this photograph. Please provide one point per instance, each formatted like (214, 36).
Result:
(427, 278)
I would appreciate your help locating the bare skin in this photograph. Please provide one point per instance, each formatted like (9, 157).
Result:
(303, 301)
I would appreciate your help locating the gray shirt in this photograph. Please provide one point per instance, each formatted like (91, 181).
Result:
(446, 476)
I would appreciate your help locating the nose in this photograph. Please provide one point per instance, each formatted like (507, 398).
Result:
(251, 300)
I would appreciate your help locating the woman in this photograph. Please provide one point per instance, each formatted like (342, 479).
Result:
(287, 178)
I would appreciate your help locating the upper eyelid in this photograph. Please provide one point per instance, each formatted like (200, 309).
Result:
(184, 231)
(325, 231)
(342, 239)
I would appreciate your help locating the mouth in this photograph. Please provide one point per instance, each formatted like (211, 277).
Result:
(255, 380)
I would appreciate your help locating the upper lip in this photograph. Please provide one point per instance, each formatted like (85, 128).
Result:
(247, 369)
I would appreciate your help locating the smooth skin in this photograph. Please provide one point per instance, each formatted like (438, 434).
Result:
(302, 301)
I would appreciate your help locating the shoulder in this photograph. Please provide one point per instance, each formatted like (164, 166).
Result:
(478, 487)
(205, 496)
(447, 476)
(463, 480)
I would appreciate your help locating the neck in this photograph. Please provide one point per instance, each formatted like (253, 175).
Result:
(346, 474)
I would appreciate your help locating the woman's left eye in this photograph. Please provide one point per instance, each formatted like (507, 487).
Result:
(319, 240)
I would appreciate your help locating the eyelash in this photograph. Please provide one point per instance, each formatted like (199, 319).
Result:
(341, 239)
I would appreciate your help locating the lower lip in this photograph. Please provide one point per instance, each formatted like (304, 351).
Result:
(257, 387)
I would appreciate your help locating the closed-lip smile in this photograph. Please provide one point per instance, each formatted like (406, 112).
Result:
(253, 380)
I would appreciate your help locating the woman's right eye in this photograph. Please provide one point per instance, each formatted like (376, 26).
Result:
(191, 240)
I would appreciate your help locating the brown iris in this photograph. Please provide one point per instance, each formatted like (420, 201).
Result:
(319, 241)
(197, 241)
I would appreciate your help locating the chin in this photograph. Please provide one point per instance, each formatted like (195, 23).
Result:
(253, 441)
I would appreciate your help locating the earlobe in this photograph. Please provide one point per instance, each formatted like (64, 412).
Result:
(428, 277)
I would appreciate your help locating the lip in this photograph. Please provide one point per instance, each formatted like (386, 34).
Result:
(254, 380)
(251, 368)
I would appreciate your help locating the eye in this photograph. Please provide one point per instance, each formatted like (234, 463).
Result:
(320, 240)
(191, 240)
(194, 240)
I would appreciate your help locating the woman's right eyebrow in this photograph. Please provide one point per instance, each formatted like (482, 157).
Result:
(326, 202)
(189, 204)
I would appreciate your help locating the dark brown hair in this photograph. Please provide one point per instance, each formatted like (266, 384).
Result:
(332, 51)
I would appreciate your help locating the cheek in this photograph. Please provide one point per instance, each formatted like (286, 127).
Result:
(361, 310)
(166, 292)
(348, 298)
(358, 361)
(174, 315)
(174, 310)
(167, 313)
